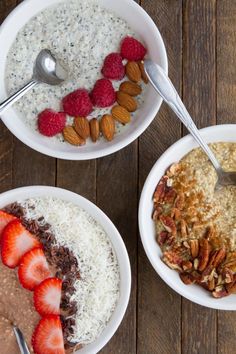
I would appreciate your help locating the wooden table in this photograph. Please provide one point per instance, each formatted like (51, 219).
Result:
(200, 37)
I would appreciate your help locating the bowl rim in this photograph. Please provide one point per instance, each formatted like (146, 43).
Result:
(157, 263)
(110, 149)
(115, 238)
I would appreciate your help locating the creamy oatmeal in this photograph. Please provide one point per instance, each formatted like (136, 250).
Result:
(196, 225)
(81, 34)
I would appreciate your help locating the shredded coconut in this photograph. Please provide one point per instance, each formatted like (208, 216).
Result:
(97, 291)
(81, 34)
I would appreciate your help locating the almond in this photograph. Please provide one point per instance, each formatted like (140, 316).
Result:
(131, 88)
(72, 137)
(120, 114)
(126, 101)
(81, 125)
(132, 71)
(94, 129)
(107, 125)
(143, 73)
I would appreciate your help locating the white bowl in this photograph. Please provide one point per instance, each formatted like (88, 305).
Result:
(194, 293)
(117, 242)
(141, 23)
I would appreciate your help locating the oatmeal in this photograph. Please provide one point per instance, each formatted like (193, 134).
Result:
(81, 34)
(196, 225)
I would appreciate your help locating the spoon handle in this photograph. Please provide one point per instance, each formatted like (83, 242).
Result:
(163, 85)
(21, 341)
(17, 95)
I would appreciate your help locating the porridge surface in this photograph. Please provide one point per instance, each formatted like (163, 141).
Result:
(81, 34)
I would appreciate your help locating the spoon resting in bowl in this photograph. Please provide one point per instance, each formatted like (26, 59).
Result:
(163, 85)
(47, 69)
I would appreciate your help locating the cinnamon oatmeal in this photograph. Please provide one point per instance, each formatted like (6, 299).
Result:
(196, 225)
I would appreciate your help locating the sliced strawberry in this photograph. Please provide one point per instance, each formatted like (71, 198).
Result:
(33, 269)
(16, 241)
(48, 336)
(47, 297)
(5, 218)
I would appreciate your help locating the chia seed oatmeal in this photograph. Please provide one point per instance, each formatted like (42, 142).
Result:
(78, 32)
(196, 225)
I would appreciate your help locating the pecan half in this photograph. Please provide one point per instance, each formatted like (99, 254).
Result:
(162, 237)
(169, 195)
(194, 248)
(159, 193)
(204, 253)
(187, 278)
(227, 275)
(217, 257)
(168, 224)
(172, 259)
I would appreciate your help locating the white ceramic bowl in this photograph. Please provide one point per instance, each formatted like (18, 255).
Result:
(146, 225)
(141, 23)
(117, 242)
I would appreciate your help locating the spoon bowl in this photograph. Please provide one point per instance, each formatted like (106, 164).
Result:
(47, 69)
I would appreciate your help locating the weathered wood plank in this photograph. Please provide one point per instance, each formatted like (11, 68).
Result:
(159, 308)
(117, 197)
(226, 113)
(199, 94)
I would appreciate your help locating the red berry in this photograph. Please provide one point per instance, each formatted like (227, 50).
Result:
(16, 241)
(5, 218)
(33, 269)
(48, 336)
(113, 67)
(103, 93)
(47, 297)
(132, 49)
(77, 103)
(50, 122)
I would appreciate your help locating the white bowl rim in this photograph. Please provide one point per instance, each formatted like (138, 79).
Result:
(157, 263)
(110, 149)
(114, 235)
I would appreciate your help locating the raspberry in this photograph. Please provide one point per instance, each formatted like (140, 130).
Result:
(77, 103)
(50, 122)
(132, 49)
(103, 93)
(113, 67)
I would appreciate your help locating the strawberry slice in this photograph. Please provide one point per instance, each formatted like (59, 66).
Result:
(47, 297)
(16, 241)
(33, 269)
(5, 218)
(48, 336)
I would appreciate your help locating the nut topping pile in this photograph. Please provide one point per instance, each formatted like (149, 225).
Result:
(188, 232)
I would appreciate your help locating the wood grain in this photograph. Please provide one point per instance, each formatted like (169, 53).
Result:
(199, 82)
(226, 113)
(159, 308)
(117, 197)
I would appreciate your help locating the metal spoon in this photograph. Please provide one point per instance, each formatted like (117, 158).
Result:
(21, 341)
(163, 85)
(46, 70)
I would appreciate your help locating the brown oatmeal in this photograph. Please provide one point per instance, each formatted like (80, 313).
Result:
(196, 226)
